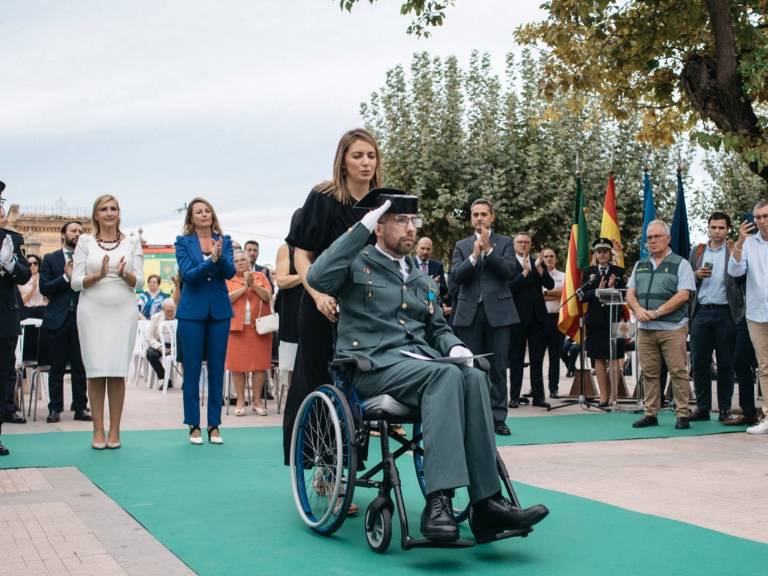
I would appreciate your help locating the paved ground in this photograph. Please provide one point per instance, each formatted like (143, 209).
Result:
(55, 521)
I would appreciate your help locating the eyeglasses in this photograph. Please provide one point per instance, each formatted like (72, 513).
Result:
(656, 237)
(402, 220)
(33, 263)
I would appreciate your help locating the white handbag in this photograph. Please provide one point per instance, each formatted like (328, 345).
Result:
(269, 323)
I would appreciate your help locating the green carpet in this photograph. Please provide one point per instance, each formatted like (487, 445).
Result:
(597, 427)
(229, 510)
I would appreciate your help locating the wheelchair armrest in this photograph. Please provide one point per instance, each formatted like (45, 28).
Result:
(483, 364)
(359, 364)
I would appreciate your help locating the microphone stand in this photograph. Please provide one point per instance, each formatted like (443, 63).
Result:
(582, 401)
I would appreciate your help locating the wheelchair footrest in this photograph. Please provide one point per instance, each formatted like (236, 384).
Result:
(425, 543)
(504, 535)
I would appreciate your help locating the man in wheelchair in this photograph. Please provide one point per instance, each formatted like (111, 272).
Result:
(387, 306)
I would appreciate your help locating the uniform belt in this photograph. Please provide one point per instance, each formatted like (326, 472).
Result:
(712, 306)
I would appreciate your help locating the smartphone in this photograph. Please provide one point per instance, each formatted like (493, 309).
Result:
(708, 265)
(749, 217)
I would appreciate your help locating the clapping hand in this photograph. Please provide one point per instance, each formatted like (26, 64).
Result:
(612, 281)
(216, 250)
(248, 278)
(602, 283)
(6, 251)
(477, 248)
(485, 240)
(526, 265)
(68, 268)
(121, 267)
(104, 267)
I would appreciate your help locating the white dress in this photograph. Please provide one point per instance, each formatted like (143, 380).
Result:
(106, 313)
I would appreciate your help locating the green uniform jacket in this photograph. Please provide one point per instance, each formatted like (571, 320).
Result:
(380, 314)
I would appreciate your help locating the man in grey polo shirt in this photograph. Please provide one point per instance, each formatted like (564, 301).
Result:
(750, 257)
(658, 292)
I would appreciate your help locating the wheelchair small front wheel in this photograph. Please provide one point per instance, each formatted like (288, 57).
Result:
(378, 527)
(323, 460)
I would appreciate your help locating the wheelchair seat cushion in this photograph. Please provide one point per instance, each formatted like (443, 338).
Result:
(384, 405)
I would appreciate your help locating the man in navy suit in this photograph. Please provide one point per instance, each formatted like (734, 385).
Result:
(482, 270)
(14, 271)
(433, 269)
(531, 277)
(60, 326)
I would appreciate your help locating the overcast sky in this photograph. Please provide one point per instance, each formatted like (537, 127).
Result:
(240, 101)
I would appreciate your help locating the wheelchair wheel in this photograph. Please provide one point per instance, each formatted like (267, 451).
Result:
(460, 496)
(378, 527)
(323, 460)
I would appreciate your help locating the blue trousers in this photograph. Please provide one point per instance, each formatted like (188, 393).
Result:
(203, 340)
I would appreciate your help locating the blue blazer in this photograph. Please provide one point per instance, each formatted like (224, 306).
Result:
(53, 285)
(204, 289)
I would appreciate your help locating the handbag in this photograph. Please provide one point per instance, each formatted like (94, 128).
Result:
(269, 323)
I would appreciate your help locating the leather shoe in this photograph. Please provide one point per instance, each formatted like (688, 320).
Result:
(645, 421)
(554, 395)
(53, 417)
(496, 514)
(542, 404)
(83, 415)
(741, 421)
(699, 415)
(682, 423)
(3, 450)
(723, 414)
(501, 429)
(437, 521)
(524, 400)
(14, 418)
(514, 403)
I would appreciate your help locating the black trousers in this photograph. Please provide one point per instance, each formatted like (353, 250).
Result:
(745, 364)
(534, 336)
(64, 347)
(713, 329)
(7, 361)
(480, 337)
(154, 358)
(554, 345)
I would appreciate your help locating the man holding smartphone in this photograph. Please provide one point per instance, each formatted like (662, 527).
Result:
(750, 257)
(715, 311)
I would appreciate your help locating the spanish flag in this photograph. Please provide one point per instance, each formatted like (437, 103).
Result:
(578, 258)
(610, 225)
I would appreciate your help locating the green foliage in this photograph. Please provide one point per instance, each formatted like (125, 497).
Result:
(428, 13)
(452, 135)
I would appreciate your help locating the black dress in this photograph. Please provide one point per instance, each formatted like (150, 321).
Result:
(597, 320)
(323, 219)
(287, 305)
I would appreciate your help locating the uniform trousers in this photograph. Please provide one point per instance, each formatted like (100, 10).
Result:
(653, 347)
(7, 348)
(459, 442)
(203, 340)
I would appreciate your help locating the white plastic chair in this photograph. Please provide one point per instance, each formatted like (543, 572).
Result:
(167, 331)
(139, 361)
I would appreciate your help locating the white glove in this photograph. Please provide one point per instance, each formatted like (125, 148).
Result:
(370, 219)
(6, 253)
(461, 352)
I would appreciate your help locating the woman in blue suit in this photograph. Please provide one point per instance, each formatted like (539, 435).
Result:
(204, 257)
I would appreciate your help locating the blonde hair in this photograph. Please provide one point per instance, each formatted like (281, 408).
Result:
(189, 227)
(98, 203)
(337, 187)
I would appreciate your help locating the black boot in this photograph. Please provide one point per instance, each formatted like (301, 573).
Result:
(496, 514)
(437, 521)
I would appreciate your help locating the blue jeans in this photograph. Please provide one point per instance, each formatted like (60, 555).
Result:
(203, 340)
(713, 329)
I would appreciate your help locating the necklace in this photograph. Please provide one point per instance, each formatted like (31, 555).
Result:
(103, 244)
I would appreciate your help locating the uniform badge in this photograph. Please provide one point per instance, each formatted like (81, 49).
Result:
(431, 301)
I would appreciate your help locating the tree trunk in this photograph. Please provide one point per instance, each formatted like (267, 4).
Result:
(715, 87)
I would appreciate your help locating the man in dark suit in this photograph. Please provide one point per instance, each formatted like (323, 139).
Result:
(433, 269)
(14, 271)
(60, 326)
(482, 270)
(530, 277)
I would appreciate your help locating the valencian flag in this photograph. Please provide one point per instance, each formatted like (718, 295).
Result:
(681, 241)
(610, 225)
(578, 259)
(649, 212)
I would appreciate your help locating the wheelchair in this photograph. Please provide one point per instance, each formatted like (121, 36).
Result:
(329, 444)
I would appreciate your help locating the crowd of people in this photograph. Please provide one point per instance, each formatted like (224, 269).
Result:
(500, 296)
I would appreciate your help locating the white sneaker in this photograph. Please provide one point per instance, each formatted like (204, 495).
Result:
(761, 428)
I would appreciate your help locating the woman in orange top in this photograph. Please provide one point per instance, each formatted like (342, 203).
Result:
(247, 350)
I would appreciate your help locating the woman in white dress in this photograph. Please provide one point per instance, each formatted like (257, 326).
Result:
(108, 269)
